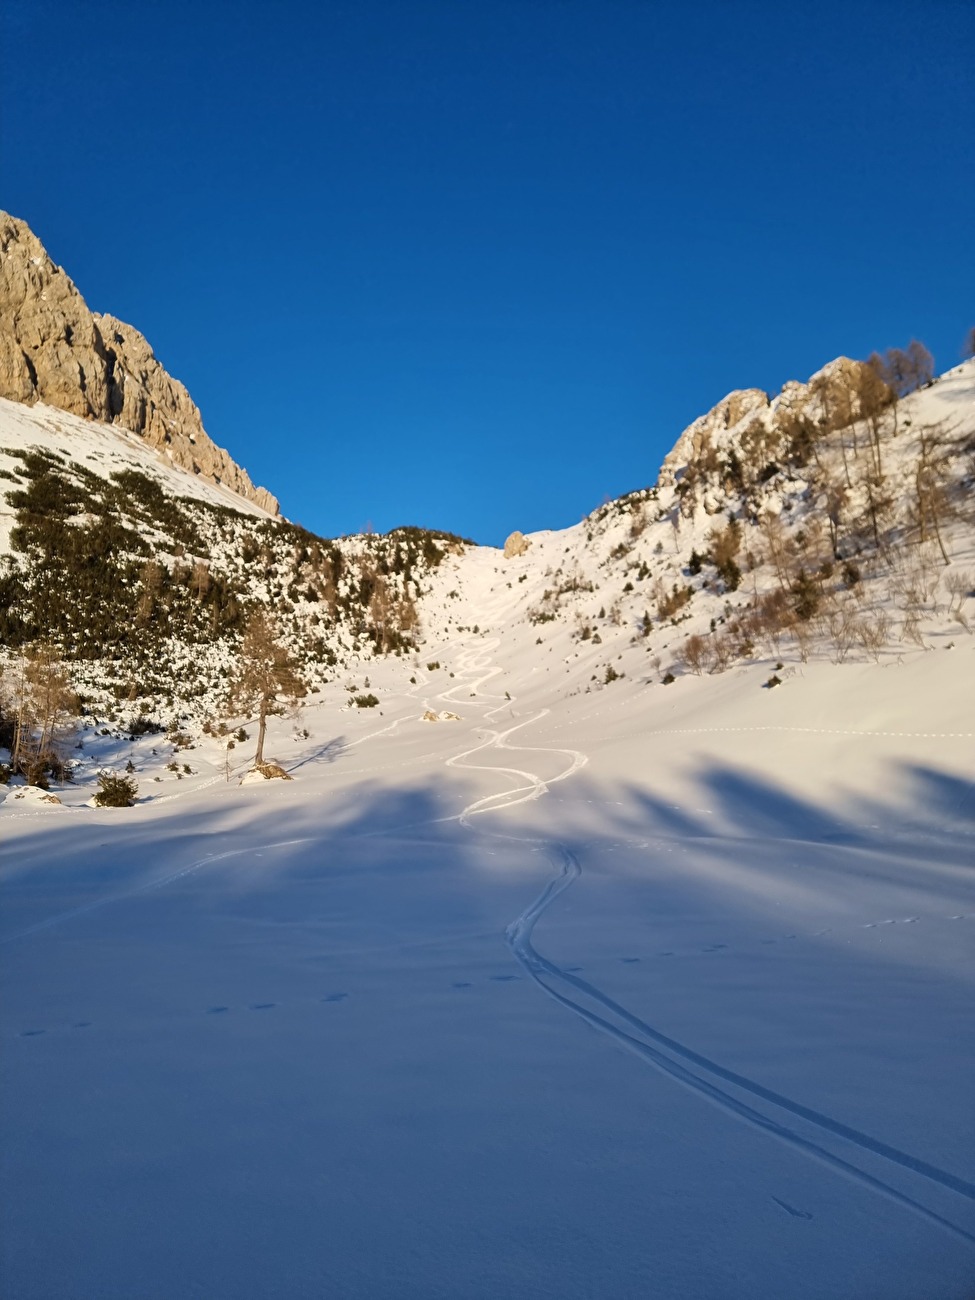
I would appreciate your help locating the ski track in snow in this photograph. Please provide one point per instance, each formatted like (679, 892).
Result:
(475, 668)
(146, 888)
(638, 1037)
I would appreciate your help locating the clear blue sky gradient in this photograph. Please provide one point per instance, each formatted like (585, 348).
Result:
(474, 264)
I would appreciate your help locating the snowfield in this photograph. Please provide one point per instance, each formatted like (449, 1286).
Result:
(637, 991)
(562, 971)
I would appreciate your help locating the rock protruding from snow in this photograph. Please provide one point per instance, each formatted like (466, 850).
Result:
(516, 544)
(694, 442)
(744, 413)
(54, 350)
(272, 772)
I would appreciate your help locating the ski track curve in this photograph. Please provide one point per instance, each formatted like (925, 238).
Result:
(691, 1069)
(638, 1038)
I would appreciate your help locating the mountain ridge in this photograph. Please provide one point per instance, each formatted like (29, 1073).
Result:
(828, 521)
(54, 350)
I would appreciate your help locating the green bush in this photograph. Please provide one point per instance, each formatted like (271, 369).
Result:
(366, 701)
(116, 791)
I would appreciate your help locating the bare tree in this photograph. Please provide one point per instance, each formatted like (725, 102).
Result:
(43, 706)
(904, 370)
(836, 498)
(932, 477)
(200, 579)
(836, 403)
(776, 546)
(150, 581)
(920, 364)
(876, 395)
(267, 681)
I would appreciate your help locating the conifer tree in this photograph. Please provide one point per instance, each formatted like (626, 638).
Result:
(267, 681)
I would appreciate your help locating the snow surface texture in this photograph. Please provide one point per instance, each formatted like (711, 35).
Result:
(653, 991)
(533, 981)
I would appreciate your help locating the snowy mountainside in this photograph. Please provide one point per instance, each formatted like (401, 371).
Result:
(143, 574)
(821, 525)
(776, 531)
(104, 448)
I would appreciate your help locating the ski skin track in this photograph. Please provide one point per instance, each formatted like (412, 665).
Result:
(518, 936)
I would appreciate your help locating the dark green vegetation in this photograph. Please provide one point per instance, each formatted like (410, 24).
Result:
(156, 588)
(116, 791)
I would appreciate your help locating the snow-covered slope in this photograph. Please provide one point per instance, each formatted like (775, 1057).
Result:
(623, 591)
(105, 449)
(646, 991)
(573, 967)
(143, 574)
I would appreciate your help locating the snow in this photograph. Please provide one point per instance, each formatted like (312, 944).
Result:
(651, 991)
(102, 448)
(601, 990)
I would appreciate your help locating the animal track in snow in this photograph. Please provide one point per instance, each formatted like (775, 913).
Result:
(790, 1209)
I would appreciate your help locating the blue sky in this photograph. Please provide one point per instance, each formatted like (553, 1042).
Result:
(474, 265)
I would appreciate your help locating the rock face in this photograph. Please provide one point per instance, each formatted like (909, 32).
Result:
(749, 414)
(54, 350)
(698, 437)
(516, 544)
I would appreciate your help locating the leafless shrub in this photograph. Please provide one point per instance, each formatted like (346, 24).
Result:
(698, 654)
(843, 625)
(873, 632)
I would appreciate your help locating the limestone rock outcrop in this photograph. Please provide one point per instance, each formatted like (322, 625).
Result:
(54, 350)
(749, 415)
(700, 436)
(516, 544)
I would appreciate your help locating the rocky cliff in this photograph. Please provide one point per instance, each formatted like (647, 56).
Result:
(54, 350)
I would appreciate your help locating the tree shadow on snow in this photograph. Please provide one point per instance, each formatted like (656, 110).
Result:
(330, 752)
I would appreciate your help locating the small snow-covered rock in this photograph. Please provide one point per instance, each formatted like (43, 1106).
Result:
(32, 795)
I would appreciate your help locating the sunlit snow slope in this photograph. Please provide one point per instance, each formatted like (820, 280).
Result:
(587, 963)
(647, 991)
